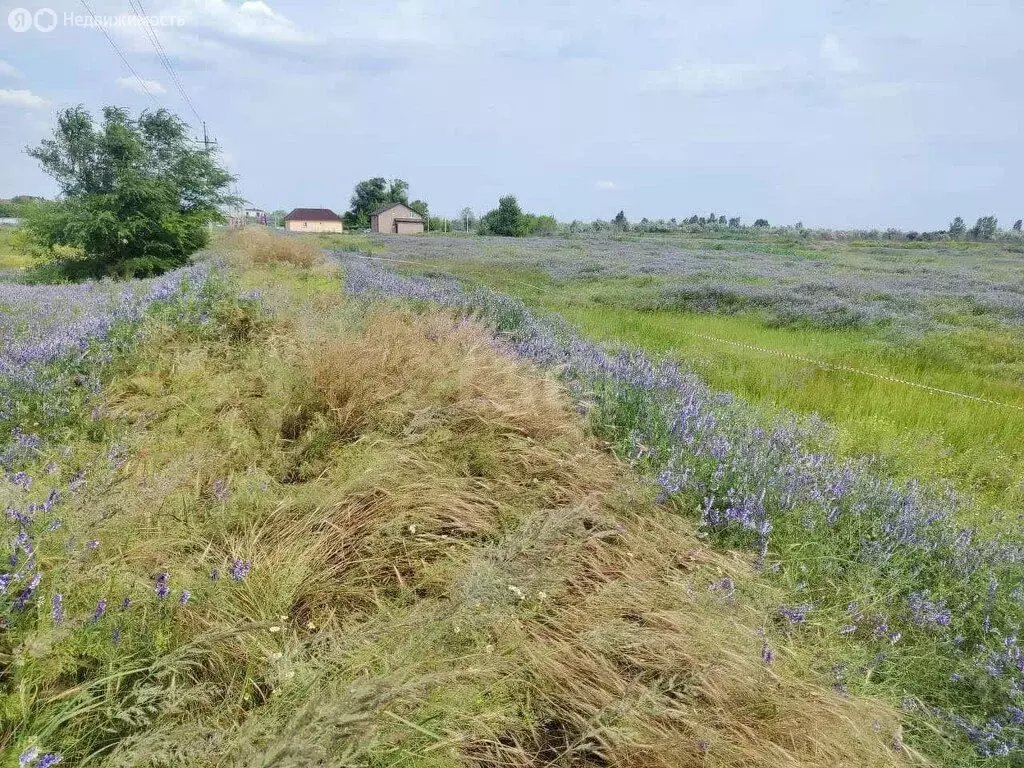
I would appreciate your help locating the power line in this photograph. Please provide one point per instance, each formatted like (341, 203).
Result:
(124, 59)
(161, 54)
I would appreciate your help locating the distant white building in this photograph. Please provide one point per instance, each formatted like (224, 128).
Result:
(9, 222)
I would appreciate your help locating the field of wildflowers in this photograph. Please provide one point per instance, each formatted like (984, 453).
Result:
(241, 527)
(259, 543)
(914, 605)
(824, 284)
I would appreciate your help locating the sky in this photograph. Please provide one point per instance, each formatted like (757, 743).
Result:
(836, 113)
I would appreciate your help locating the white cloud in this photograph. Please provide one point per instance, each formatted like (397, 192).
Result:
(22, 98)
(606, 186)
(836, 56)
(141, 86)
(6, 70)
(253, 20)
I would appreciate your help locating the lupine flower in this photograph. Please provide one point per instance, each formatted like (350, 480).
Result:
(240, 569)
(101, 608)
(214, 574)
(57, 608)
(160, 585)
(49, 760)
(725, 586)
(126, 603)
(28, 757)
(795, 614)
(184, 597)
(767, 654)
(93, 544)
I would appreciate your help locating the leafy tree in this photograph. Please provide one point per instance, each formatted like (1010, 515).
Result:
(620, 222)
(540, 225)
(985, 228)
(761, 223)
(137, 195)
(721, 219)
(467, 218)
(1018, 224)
(276, 218)
(507, 219)
(957, 228)
(420, 207)
(371, 194)
(734, 222)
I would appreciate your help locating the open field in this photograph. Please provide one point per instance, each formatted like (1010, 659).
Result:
(278, 512)
(948, 316)
(257, 542)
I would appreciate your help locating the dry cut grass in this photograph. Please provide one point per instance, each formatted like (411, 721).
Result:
(446, 572)
(260, 246)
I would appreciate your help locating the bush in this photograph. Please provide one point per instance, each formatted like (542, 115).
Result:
(138, 196)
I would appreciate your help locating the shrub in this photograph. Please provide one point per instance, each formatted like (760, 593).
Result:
(138, 196)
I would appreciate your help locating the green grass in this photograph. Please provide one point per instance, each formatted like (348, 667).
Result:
(11, 256)
(446, 570)
(343, 241)
(917, 434)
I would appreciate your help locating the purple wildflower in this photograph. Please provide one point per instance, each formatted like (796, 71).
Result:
(160, 585)
(767, 654)
(57, 608)
(49, 760)
(101, 608)
(184, 597)
(725, 586)
(239, 569)
(28, 757)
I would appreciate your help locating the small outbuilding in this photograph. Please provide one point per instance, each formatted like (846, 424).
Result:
(396, 218)
(313, 220)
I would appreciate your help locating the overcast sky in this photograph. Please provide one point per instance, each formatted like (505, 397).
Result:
(844, 113)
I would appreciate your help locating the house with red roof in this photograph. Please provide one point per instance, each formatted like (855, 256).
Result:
(313, 220)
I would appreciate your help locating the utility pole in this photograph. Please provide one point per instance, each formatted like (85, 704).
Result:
(207, 141)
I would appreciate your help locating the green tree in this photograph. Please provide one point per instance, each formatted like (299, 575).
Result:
(734, 222)
(507, 219)
(1018, 224)
(957, 228)
(371, 194)
(620, 222)
(761, 223)
(420, 207)
(540, 225)
(985, 228)
(467, 218)
(137, 195)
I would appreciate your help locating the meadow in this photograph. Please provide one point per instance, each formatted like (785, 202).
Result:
(740, 312)
(473, 507)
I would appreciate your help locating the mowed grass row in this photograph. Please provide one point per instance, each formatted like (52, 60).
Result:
(915, 433)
